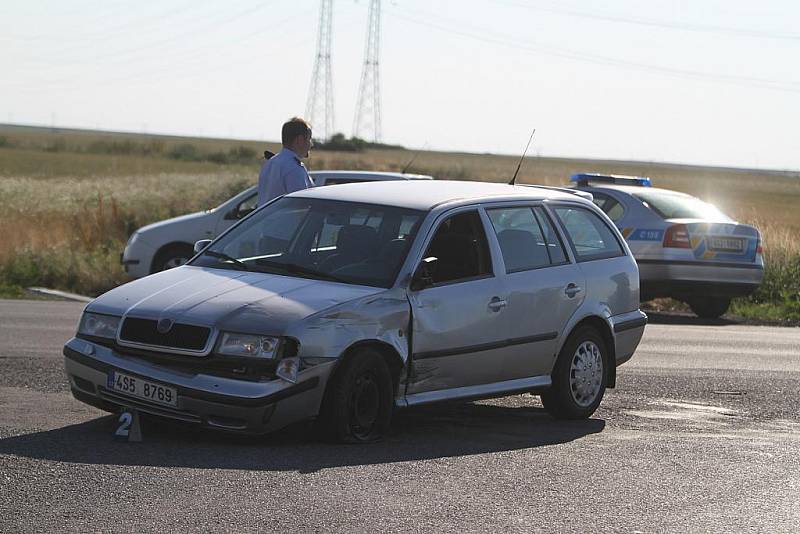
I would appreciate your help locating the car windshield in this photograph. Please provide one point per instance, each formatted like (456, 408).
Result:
(345, 242)
(679, 206)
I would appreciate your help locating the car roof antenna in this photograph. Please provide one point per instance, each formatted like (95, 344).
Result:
(514, 178)
(413, 157)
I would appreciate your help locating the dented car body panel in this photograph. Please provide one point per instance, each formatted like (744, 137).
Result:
(465, 334)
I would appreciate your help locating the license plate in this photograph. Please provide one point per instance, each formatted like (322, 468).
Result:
(726, 244)
(143, 389)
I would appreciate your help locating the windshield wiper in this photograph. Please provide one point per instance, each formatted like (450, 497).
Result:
(294, 268)
(223, 256)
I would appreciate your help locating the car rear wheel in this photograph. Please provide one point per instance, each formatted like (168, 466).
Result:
(172, 256)
(710, 307)
(579, 377)
(358, 404)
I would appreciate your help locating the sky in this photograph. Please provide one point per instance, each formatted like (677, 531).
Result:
(712, 82)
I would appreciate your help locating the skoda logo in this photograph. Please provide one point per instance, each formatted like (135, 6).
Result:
(164, 325)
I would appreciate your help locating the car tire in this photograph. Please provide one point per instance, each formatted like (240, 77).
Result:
(579, 376)
(172, 256)
(710, 307)
(358, 404)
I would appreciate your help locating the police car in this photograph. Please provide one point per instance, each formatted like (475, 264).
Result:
(686, 248)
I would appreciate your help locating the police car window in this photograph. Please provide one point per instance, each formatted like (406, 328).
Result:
(609, 205)
(520, 238)
(679, 206)
(591, 238)
(554, 245)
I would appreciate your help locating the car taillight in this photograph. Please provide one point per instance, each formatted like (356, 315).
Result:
(759, 249)
(677, 236)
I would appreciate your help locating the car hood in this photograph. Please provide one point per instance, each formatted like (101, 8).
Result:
(228, 300)
(189, 218)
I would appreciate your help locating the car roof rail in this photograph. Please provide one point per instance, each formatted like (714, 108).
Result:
(585, 178)
(582, 194)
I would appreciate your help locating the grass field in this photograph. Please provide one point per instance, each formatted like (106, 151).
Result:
(71, 198)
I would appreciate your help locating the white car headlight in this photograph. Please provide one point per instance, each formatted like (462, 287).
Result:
(98, 325)
(233, 344)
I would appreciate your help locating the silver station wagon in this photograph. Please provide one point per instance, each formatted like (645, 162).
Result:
(347, 302)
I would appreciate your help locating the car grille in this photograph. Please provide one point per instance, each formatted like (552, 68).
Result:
(180, 336)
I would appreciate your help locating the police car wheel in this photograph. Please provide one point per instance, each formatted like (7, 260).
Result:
(710, 307)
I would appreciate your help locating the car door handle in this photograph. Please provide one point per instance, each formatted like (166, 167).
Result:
(496, 304)
(571, 290)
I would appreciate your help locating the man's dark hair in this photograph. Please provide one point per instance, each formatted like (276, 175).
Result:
(292, 128)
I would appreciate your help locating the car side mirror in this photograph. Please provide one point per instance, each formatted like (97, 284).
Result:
(423, 276)
(200, 245)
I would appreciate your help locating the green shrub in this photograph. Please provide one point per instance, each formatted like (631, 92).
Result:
(126, 147)
(185, 152)
(85, 272)
(57, 145)
(221, 158)
(242, 154)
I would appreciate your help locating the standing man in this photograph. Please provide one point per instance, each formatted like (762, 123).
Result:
(284, 172)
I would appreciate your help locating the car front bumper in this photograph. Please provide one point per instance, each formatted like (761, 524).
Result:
(137, 259)
(211, 401)
(664, 278)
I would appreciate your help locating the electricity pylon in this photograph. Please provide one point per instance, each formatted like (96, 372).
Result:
(368, 108)
(319, 107)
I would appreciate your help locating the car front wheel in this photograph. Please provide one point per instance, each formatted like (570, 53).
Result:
(358, 405)
(579, 376)
(172, 256)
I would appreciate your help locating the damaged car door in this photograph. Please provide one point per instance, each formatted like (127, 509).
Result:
(457, 306)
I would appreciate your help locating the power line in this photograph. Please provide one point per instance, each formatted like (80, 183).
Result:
(539, 48)
(181, 59)
(683, 26)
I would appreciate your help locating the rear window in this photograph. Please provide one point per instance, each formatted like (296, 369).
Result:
(680, 206)
(591, 239)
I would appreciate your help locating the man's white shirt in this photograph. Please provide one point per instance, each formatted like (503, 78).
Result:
(281, 174)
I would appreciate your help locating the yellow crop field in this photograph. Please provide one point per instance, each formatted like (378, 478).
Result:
(70, 198)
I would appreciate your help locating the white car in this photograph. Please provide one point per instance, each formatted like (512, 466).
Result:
(167, 244)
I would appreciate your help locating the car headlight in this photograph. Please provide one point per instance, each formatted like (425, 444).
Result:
(233, 344)
(98, 325)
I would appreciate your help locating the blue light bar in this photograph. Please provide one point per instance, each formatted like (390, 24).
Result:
(584, 178)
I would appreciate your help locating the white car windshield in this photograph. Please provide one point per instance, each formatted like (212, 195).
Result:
(680, 206)
(345, 242)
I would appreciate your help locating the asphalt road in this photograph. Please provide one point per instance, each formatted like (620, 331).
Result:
(702, 434)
